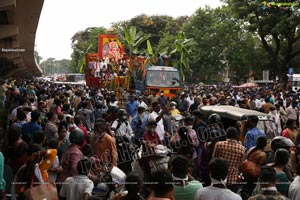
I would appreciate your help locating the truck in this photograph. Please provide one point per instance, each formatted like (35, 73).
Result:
(157, 79)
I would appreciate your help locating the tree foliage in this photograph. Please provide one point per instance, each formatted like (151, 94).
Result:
(277, 29)
(84, 42)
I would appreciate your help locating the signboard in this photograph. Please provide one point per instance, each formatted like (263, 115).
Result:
(265, 75)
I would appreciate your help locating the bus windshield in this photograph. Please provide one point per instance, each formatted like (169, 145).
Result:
(163, 78)
(75, 77)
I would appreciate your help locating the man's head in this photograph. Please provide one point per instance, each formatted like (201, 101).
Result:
(141, 110)
(218, 168)
(252, 121)
(267, 176)
(84, 166)
(232, 133)
(162, 93)
(151, 126)
(35, 115)
(156, 106)
(162, 186)
(180, 166)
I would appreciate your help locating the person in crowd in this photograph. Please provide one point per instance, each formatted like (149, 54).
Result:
(48, 155)
(267, 105)
(185, 187)
(294, 189)
(290, 131)
(55, 168)
(100, 108)
(104, 146)
(86, 116)
(133, 186)
(258, 156)
(79, 186)
(51, 128)
(153, 98)
(292, 111)
(183, 143)
(63, 139)
(72, 155)
(282, 157)
(21, 119)
(162, 187)
(162, 100)
(275, 115)
(151, 137)
(217, 190)
(267, 180)
(138, 124)
(131, 107)
(233, 152)
(15, 149)
(174, 111)
(253, 132)
(29, 174)
(183, 104)
(141, 103)
(194, 106)
(122, 127)
(31, 127)
(157, 115)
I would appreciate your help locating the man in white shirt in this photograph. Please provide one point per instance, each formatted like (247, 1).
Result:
(294, 190)
(217, 190)
(157, 115)
(78, 187)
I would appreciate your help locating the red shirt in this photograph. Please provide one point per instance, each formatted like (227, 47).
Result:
(153, 138)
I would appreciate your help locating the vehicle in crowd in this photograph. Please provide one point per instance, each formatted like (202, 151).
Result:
(231, 116)
(157, 79)
(75, 79)
(295, 80)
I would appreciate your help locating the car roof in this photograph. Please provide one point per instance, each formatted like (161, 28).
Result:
(232, 112)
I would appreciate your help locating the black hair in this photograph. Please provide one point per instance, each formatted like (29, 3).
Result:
(84, 166)
(289, 122)
(152, 123)
(180, 166)
(52, 144)
(162, 180)
(87, 150)
(13, 135)
(298, 169)
(35, 115)
(254, 119)
(77, 120)
(154, 104)
(133, 185)
(38, 137)
(267, 174)
(218, 168)
(50, 115)
(232, 133)
(21, 115)
(282, 156)
(32, 148)
(261, 142)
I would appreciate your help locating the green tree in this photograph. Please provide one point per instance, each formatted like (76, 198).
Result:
(83, 42)
(221, 42)
(277, 29)
(182, 53)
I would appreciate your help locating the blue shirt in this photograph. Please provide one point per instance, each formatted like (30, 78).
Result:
(30, 128)
(251, 136)
(139, 129)
(131, 108)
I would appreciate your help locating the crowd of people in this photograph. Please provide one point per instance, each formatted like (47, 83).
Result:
(70, 135)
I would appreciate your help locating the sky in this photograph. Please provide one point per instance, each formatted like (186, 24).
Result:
(61, 19)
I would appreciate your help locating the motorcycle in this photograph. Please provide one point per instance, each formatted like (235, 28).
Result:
(176, 121)
(109, 183)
